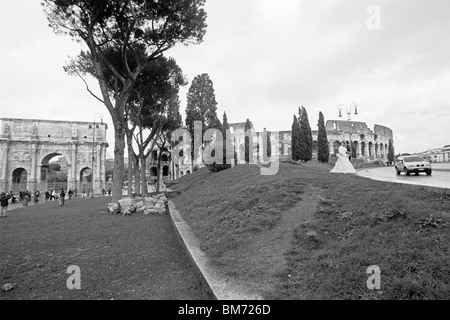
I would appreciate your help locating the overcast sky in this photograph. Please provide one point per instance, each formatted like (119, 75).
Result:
(266, 58)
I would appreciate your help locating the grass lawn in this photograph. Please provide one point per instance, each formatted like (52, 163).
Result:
(308, 234)
(135, 257)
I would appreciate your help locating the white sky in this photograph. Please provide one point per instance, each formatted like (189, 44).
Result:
(265, 59)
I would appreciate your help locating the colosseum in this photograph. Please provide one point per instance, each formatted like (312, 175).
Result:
(368, 144)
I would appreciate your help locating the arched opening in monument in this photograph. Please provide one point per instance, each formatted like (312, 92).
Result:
(54, 173)
(165, 173)
(281, 146)
(153, 174)
(355, 149)
(85, 181)
(154, 155)
(181, 173)
(164, 157)
(376, 150)
(371, 149)
(188, 172)
(381, 150)
(336, 145)
(19, 180)
(363, 148)
(315, 147)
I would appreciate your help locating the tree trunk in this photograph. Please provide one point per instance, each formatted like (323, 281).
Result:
(137, 174)
(119, 152)
(143, 161)
(143, 164)
(130, 163)
(158, 170)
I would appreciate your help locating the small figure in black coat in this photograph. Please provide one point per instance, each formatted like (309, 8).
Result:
(349, 152)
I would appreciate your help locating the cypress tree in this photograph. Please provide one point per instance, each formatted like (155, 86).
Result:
(267, 148)
(323, 152)
(248, 142)
(305, 140)
(391, 153)
(228, 151)
(295, 140)
(201, 106)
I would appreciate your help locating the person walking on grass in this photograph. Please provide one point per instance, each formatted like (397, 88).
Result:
(36, 194)
(62, 195)
(4, 204)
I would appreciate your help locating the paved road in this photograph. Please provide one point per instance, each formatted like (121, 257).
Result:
(438, 178)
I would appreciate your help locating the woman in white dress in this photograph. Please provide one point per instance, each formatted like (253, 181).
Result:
(343, 164)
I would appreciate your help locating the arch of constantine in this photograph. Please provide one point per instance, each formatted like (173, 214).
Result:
(27, 146)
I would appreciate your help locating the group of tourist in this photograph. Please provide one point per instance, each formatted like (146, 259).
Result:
(104, 192)
(25, 196)
(53, 195)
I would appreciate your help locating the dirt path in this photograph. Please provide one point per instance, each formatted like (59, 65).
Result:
(262, 258)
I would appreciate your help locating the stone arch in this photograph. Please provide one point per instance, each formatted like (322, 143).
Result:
(19, 180)
(336, 145)
(376, 150)
(371, 149)
(281, 148)
(355, 149)
(153, 174)
(154, 155)
(363, 148)
(43, 173)
(165, 171)
(381, 150)
(181, 173)
(32, 143)
(188, 172)
(315, 147)
(164, 157)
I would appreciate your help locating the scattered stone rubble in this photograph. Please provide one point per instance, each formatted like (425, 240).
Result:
(155, 204)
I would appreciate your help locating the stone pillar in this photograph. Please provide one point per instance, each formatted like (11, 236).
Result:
(32, 181)
(4, 158)
(97, 185)
(73, 169)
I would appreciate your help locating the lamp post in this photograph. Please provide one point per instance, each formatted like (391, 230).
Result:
(353, 108)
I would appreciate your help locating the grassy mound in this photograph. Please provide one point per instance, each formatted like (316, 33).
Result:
(355, 223)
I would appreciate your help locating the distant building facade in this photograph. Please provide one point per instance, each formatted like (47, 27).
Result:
(368, 145)
(437, 155)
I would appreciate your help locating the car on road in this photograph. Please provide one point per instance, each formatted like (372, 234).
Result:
(412, 164)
